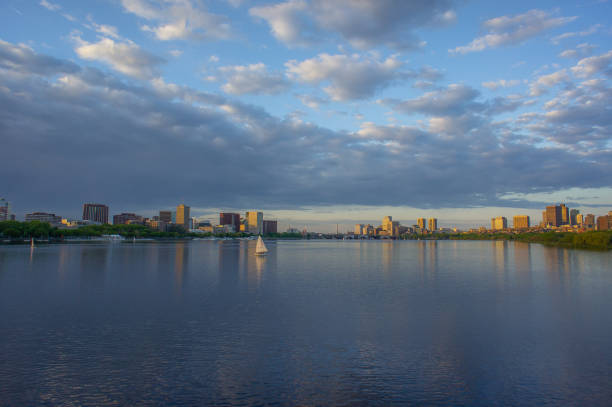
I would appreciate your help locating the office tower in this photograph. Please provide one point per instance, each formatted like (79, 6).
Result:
(127, 218)
(574, 216)
(165, 216)
(227, 218)
(254, 221)
(602, 222)
(50, 218)
(499, 223)
(359, 229)
(589, 221)
(521, 222)
(553, 215)
(610, 220)
(387, 223)
(433, 224)
(421, 222)
(182, 216)
(95, 212)
(270, 226)
(565, 216)
(5, 210)
(579, 219)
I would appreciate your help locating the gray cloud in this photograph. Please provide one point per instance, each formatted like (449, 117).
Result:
(253, 79)
(72, 134)
(364, 24)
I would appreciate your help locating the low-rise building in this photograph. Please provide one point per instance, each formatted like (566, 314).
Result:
(127, 218)
(50, 218)
(499, 223)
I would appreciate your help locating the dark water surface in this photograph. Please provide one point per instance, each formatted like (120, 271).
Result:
(313, 323)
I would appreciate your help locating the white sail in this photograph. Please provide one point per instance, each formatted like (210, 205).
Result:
(261, 247)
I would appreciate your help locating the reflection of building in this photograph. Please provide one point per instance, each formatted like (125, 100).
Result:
(270, 226)
(254, 222)
(127, 218)
(165, 216)
(44, 217)
(499, 223)
(421, 223)
(5, 209)
(182, 216)
(520, 222)
(95, 212)
(433, 224)
(227, 218)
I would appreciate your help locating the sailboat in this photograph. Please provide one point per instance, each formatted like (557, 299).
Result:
(260, 249)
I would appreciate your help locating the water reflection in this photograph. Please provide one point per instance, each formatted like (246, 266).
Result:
(181, 261)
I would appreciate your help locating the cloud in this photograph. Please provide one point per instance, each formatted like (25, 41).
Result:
(502, 83)
(105, 30)
(581, 51)
(594, 65)
(179, 19)
(50, 6)
(544, 82)
(591, 30)
(513, 30)
(313, 102)
(176, 53)
(349, 76)
(89, 135)
(252, 79)
(364, 24)
(127, 58)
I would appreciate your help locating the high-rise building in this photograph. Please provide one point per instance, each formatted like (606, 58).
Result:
(51, 218)
(165, 216)
(553, 215)
(602, 222)
(610, 220)
(227, 218)
(182, 216)
(565, 215)
(433, 224)
(574, 216)
(127, 218)
(579, 219)
(520, 222)
(499, 223)
(5, 210)
(387, 223)
(422, 223)
(95, 212)
(254, 221)
(359, 229)
(589, 221)
(270, 226)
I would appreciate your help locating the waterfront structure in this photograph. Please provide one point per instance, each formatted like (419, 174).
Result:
(127, 218)
(254, 222)
(95, 212)
(5, 210)
(433, 224)
(182, 216)
(50, 218)
(602, 222)
(520, 222)
(227, 218)
(270, 226)
(422, 223)
(165, 216)
(499, 223)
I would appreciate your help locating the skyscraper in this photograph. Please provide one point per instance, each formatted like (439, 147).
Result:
(433, 224)
(602, 222)
(421, 223)
(589, 221)
(565, 216)
(270, 226)
(387, 224)
(520, 222)
(182, 216)
(553, 215)
(579, 219)
(499, 223)
(574, 216)
(165, 216)
(254, 222)
(359, 229)
(5, 209)
(227, 218)
(94, 212)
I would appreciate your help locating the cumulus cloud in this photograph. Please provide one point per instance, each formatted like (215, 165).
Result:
(364, 24)
(512, 30)
(594, 65)
(253, 79)
(125, 57)
(502, 83)
(544, 82)
(141, 145)
(349, 76)
(179, 19)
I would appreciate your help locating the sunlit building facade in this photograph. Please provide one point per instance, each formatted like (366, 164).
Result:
(433, 224)
(94, 212)
(183, 217)
(499, 223)
(422, 223)
(254, 222)
(520, 222)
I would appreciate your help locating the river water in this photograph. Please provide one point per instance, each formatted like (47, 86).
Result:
(313, 323)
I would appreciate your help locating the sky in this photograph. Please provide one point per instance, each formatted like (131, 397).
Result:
(316, 112)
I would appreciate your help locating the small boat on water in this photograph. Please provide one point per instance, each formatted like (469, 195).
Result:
(260, 249)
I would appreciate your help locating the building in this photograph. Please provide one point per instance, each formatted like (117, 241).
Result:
(95, 212)
(254, 222)
(565, 215)
(499, 223)
(51, 218)
(165, 216)
(602, 222)
(520, 222)
(579, 219)
(270, 226)
(574, 216)
(5, 210)
(589, 221)
(182, 216)
(227, 218)
(422, 223)
(359, 229)
(127, 218)
(610, 220)
(433, 224)
(553, 216)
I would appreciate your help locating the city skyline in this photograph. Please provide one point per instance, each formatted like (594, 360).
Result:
(462, 111)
